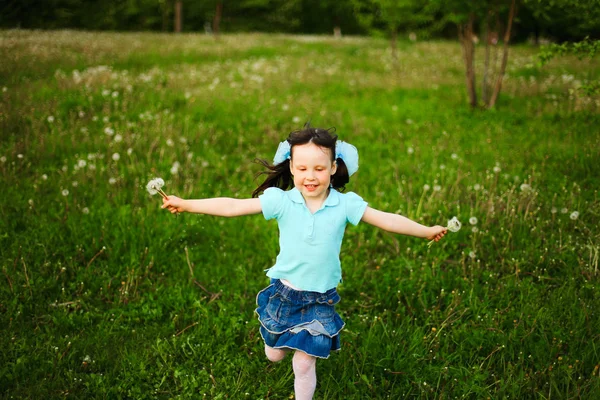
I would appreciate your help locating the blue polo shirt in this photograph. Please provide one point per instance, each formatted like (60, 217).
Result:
(309, 244)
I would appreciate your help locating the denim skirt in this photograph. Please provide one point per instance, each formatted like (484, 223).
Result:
(299, 320)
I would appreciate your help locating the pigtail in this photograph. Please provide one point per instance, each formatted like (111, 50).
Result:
(277, 176)
(341, 176)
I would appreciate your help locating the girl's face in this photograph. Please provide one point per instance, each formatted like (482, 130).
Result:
(311, 167)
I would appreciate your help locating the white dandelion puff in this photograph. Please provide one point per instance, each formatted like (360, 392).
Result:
(574, 215)
(85, 210)
(118, 138)
(453, 226)
(112, 181)
(426, 187)
(109, 131)
(3, 159)
(155, 186)
(170, 142)
(554, 210)
(65, 192)
(472, 254)
(116, 156)
(525, 188)
(564, 210)
(50, 118)
(437, 188)
(476, 187)
(454, 156)
(410, 150)
(473, 220)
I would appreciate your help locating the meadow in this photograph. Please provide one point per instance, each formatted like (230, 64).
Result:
(103, 295)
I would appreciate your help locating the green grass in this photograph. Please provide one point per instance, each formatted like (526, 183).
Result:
(100, 292)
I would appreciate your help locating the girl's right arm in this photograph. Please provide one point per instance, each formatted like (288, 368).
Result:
(220, 206)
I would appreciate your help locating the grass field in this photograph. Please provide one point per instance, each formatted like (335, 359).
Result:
(103, 295)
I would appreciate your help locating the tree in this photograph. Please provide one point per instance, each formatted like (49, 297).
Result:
(391, 16)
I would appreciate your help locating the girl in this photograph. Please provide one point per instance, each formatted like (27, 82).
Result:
(297, 310)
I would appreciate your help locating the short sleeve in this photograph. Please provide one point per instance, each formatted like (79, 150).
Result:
(355, 207)
(271, 202)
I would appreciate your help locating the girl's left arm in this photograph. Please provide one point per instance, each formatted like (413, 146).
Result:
(398, 224)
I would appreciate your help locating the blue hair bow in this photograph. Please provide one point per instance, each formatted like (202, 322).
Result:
(343, 150)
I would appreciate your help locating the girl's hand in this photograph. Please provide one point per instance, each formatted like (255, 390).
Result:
(436, 232)
(174, 204)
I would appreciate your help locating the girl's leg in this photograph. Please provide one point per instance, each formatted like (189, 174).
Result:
(305, 375)
(275, 355)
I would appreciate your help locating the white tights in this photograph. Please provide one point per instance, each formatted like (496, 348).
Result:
(305, 371)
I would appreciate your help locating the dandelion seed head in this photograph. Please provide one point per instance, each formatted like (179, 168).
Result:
(554, 210)
(116, 156)
(65, 192)
(154, 185)
(454, 156)
(473, 220)
(3, 159)
(170, 142)
(426, 187)
(296, 120)
(112, 180)
(4, 89)
(574, 215)
(475, 229)
(20, 156)
(81, 163)
(129, 151)
(44, 177)
(105, 119)
(285, 107)
(437, 188)
(525, 188)
(472, 254)
(118, 138)
(109, 131)
(454, 225)
(410, 150)
(497, 169)
(50, 118)
(85, 210)
(476, 186)
(564, 210)
(75, 183)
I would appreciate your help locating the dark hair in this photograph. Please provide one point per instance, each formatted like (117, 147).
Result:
(280, 175)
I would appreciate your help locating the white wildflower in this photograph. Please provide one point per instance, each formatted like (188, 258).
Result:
(170, 142)
(475, 229)
(81, 163)
(65, 192)
(426, 187)
(51, 118)
(116, 156)
(155, 186)
(3, 159)
(85, 210)
(115, 94)
(473, 220)
(574, 215)
(454, 225)
(554, 210)
(525, 188)
(75, 183)
(564, 210)
(442, 167)
(20, 156)
(112, 180)
(118, 138)
(472, 254)
(476, 187)
(497, 168)
(109, 131)
(175, 168)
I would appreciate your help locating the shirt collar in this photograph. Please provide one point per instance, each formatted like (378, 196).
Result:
(333, 199)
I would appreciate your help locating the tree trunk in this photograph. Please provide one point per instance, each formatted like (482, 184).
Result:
(465, 34)
(217, 18)
(486, 66)
(178, 6)
(511, 16)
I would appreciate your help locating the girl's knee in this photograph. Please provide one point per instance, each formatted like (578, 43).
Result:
(303, 363)
(274, 355)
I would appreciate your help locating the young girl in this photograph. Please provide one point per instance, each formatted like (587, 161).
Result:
(297, 310)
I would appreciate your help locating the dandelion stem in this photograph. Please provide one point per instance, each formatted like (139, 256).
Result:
(163, 194)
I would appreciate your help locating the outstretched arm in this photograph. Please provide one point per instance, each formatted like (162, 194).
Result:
(220, 206)
(398, 224)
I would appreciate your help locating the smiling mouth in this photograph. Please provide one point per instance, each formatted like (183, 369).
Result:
(310, 188)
